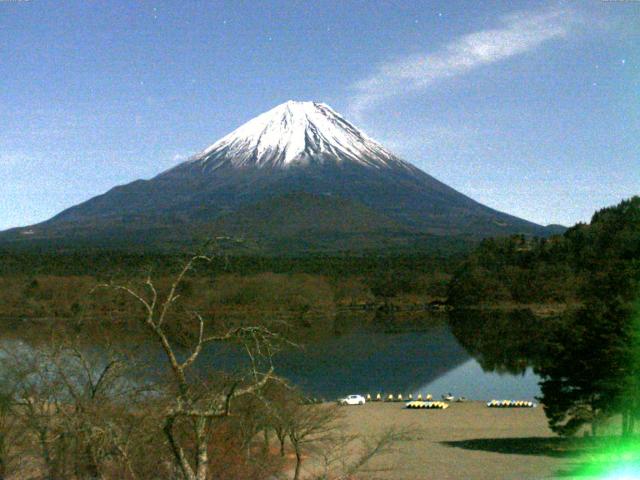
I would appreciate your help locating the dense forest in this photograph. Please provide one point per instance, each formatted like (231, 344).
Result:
(589, 356)
(591, 366)
(519, 270)
(523, 270)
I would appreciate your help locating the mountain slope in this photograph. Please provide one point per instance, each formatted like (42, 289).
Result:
(345, 183)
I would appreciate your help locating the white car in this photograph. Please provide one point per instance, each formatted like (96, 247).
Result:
(352, 400)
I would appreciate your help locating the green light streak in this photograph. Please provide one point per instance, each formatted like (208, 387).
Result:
(618, 458)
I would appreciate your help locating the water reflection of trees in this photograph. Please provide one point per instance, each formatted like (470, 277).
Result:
(585, 358)
(508, 342)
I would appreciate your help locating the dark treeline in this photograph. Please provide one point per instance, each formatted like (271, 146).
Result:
(592, 366)
(47, 285)
(120, 262)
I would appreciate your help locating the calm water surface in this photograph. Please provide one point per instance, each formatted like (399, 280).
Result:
(368, 360)
(430, 361)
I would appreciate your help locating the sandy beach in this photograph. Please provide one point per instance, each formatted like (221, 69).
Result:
(465, 441)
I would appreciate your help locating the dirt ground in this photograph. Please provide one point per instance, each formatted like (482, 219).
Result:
(465, 441)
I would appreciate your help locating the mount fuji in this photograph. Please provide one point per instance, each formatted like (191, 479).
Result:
(298, 177)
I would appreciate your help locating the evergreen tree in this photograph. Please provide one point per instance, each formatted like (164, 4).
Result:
(592, 366)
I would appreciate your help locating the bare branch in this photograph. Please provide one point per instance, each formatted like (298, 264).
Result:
(154, 293)
(198, 348)
(172, 297)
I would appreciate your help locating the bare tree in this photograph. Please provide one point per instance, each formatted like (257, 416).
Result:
(316, 433)
(33, 392)
(100, 397)
(76, 405)
(281, 400)
(8, 431)
(310, 426)
(348, 456)
(195, 404)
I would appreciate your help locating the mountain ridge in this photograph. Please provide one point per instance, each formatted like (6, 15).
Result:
(297, 147)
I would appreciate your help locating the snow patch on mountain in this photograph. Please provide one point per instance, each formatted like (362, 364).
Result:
(297, 133)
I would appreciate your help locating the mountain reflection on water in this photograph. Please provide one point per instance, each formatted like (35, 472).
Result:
(479, 356)
(469, 355)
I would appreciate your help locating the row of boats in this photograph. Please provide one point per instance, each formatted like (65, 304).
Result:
(409, 398)
(510, 404)
(491, 404)
(427, 401)
(428, 405)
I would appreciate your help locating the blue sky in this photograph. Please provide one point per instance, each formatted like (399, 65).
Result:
(532, 108)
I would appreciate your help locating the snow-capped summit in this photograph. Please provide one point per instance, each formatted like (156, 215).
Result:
(296, 133)
(298, 177)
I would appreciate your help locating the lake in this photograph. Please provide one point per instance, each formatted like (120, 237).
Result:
(369, 358)
(428, 361)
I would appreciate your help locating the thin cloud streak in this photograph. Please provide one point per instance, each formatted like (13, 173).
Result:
(521, 33)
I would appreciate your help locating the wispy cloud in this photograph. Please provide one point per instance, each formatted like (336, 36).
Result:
(521, 33)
